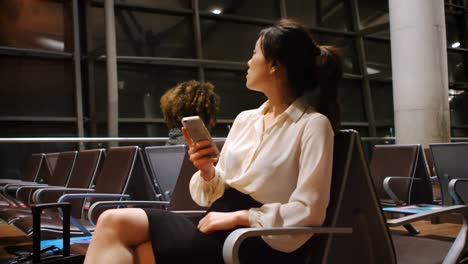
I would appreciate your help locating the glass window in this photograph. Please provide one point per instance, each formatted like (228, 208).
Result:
(381, 34)
(37, 129)
(350, 62)
(32, 87)
(385, 131)
(132, 130)
(459, 108)
(221, 129)
(456, 66)
(138, 35)
(332, 14)
(351, 99)
(35, 24)
(454, 30)
(378, 57)
(266, 9)
(140, 88)
(382, 101)
(170, 4)
(143, 130)
(235, 97)
(228, 41)
(373, 12)
(459, 132)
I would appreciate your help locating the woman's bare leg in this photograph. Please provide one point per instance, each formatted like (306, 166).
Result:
(118, 232)
(144, 253)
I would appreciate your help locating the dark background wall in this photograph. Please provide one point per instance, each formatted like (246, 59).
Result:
(163, 42)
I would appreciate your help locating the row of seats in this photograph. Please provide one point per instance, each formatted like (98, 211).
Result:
(355, 227)
(406, 174)
(120, 172)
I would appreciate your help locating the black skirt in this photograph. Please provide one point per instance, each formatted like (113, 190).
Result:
(176, 238)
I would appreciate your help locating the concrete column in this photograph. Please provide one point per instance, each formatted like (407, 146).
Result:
(111, 52)
(419, 66)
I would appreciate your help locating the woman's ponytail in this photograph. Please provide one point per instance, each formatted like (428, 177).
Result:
(329, 74)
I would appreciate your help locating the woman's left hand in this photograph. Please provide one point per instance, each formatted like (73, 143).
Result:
(214, 221)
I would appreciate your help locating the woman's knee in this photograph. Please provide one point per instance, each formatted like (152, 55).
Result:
(110, 218)
(129, 225)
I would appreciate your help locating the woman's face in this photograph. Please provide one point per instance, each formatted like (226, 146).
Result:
(259, 71)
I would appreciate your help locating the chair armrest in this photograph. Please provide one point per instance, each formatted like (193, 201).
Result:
(34, 187)
(234, 240)
(66, 197)
(37, 194)
(457, 197)
(18, 185)
(390, 192)
(111, 203)
(421, 216)
(193, 213)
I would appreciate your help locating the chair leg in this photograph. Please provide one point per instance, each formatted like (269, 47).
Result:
(413, 231)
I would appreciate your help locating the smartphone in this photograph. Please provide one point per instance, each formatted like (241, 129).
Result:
(198, 131)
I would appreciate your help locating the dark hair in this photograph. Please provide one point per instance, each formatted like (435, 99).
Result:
(188, 99)
(308, 65)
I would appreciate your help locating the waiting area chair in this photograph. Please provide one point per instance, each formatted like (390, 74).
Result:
(451, 165)
(354, 204)
(30, 172)
(60, 176)
(84, 170)
(111, 183)
(401, 175)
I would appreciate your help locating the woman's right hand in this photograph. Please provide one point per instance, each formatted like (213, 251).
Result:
(199, 155)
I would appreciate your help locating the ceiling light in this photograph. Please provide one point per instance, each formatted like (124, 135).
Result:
(49, 43)
(456, 45)
(216, 11)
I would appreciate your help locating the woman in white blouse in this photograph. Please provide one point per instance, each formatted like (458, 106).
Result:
(274, 169)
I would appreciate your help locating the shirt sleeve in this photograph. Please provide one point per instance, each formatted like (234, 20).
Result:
(308, 203)
(204, 193)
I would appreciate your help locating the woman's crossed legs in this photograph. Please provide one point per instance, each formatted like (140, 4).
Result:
(121, 236)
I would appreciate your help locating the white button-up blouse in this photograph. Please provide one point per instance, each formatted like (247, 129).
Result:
(287, 167)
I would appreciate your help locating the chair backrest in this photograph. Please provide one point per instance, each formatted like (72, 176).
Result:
(51, 160)
(353, 203)
(165, 163)
(430, 161)
(141, 186)
(450, 162)
(87, 165)
(116, 172)
(61, 174)
(33, 167)
(64, 165)
(420, 192)
(181, 198)
(220, 143)
(393, 160)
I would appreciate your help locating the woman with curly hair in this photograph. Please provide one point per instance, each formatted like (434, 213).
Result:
(188, 98)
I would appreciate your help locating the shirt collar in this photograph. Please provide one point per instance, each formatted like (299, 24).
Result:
(294, 111)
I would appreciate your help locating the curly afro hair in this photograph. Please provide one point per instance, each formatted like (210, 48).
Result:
(190, 98)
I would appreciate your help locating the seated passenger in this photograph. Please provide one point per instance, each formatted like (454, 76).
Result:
(274, 171)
